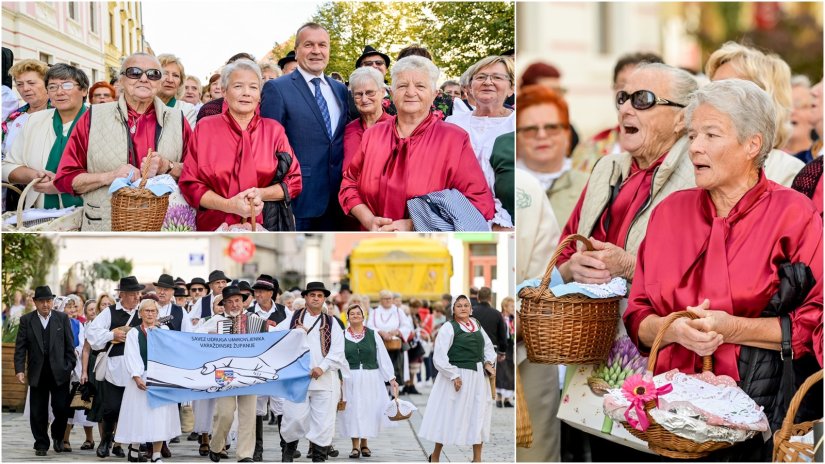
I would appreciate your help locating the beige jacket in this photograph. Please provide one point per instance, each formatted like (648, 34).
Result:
(538, 231)
(565, 193)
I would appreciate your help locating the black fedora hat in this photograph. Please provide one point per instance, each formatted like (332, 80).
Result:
(218, 275)
(228, 291)
(369, 51)
(245, 287)
(197, 281)
(179, 281)
(179, 291)
(290, 57)
(129, 284)
(265, 282)
(165, 281)
(315, 286)
(43, 293)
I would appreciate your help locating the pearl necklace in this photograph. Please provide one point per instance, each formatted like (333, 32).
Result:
(356, 336)
(470, 327)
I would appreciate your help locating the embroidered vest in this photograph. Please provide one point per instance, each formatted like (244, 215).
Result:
(277, 316)
(325, 328)
(363, 354)
(119, 319)
(108, 150)
(467, 349)
(177, 318)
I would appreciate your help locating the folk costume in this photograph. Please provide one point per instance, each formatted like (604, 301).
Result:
(460, 417)
(388, 319)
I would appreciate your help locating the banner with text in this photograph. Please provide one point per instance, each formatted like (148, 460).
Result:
(192, 366)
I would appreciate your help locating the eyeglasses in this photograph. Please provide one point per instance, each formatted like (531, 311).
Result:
(374, 63)
(642, 100)
(134, 72)
(532, 132)
(360, 95)
(496, 78)
(63, 85)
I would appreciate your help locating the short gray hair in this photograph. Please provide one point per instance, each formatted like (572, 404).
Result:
(298, 303)
(237, 65)
(146, 302)
(750, 109)
(138, 55)
(682, 84)
(416, 63)
(800, 80)
(365, 74)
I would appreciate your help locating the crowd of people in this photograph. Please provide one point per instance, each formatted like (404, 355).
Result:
(360, 353)
(307, 151)
(701, 198)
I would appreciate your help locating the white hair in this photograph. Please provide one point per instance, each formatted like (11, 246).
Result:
(365, 74)
(299, 303)
(243, 63)
(137, 55)
(416, 63)
(144, 303)
(750, 109)
(682, 84)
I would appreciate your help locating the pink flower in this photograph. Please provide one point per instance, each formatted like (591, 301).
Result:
(638, 390)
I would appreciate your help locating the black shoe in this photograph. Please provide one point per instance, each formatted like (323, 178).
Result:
(296, 454)
(165, 451)
(175, 440)
(508, 404)
(103, 448)
(499, 404)
(223, 455)
(40, 452)
(135, 455)
(332, 452)
(288, 451)
(258, 454)
(411, 390)
(58, 445)
(310, 452)
(193, 437)
(214, 457)
(271, 418)
(246, 460)
(118, 451)
(319, 453)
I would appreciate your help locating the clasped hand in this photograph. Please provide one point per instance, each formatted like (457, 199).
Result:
(239, 204)
(46, 183)
(599, 266)
(703, 335)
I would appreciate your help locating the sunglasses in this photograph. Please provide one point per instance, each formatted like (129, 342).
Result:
(642, 100)
(550, 129)
(134, 72)
(374, 63)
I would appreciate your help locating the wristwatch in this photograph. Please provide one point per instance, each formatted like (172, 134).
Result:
(171, 167)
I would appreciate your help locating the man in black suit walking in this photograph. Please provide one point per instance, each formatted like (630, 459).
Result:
(491, 321)
(45, 346)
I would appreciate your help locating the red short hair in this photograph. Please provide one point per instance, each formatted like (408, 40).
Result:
(100, 84)
(532, 95)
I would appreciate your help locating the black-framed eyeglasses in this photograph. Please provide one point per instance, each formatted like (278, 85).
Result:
(643, 99)
(550, 129)
(133, 72)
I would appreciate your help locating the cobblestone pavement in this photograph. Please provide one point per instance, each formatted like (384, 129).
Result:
(401, 443)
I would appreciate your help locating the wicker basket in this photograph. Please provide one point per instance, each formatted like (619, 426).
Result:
(398, 416)
(784, 450)
(524, 427)
(342, 403)
(572, 329)
(393, 344)
(138, 209)
(660, 440)
(67, 223)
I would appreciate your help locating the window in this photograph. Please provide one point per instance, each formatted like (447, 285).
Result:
(46, 58)
(94, 75)
(111, 28)
(92, 17)
(604, 29)
(73, 10)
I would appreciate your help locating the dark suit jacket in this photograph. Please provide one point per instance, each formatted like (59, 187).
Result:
(492, 323)
(29, 345)
(289, 101)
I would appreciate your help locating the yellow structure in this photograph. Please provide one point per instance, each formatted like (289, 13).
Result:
(414, 267)
(125, 34)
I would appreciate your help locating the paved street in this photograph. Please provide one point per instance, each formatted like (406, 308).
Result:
(396, 444)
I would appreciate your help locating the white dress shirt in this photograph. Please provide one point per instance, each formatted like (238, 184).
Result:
(44, 321)
(98, 334)
(185, 325)
(329, 96)
(335, 358)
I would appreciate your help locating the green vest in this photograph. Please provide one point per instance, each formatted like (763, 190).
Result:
(144, 352)
(467, 349)
(362, 355)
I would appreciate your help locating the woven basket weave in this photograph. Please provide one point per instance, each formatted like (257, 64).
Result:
(784, 450)
(138, 209)
(524, 427)
(659, 439)
(67, 223)
(571, 329)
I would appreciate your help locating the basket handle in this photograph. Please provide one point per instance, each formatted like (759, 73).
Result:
(145, 169)
(707, 361)
(545, 281)
(784, 433)
(395, 393)
(22, 201)
(11, 187)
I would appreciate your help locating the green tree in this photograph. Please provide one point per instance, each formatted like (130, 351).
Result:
(90, 273)
(26, 261)
(279, 50)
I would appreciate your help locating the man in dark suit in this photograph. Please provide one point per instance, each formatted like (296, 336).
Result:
(313, 109)
(491, 321)
(45, 347)
(203, 307)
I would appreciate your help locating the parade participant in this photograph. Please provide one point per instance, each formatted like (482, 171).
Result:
(313, 110)
(415, 155)
(108, 332)
(491, 321)
(370, 367)
(138, 423)
(45, 350)
(39, 148)
(366, 86)
(165, 289)
(492, 82)
(239, 321)
(203, 307)
(30, 82)
(137, 123)
(182, 300)
(171, 87)
(227, 189)
(459, 409)
(72, 306)
(101, 92)
(266, 288)
(88, 358)
(197, 289)
(314, 419)
(389, 322)
(731, 127)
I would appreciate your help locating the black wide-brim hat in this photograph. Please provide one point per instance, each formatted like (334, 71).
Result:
(290, 57)
(369, 51)
(218, 275)
(129, 284)
(315, 286)
(165, 281)
(43, 293)
(245, 287)
(181, 292)
(229, 291)
(265, 282)
(197, 281)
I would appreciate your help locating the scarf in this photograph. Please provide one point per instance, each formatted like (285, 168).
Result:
(246, 173)
(51, 201)
(172, 102)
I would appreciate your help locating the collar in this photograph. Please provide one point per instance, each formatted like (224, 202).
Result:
(308, 77)
(120, 307)
(546, 179)
(260, 308)
(44, 318)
